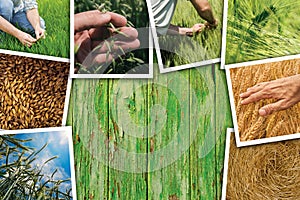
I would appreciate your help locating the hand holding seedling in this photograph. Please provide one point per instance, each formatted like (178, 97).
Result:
(285, 90)
(25, 38)
(40, 33)
(211, 25)
(97, 33)
(197, 28)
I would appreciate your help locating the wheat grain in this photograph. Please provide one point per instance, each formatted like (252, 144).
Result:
(32, 92)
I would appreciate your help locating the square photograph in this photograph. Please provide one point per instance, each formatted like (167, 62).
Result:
(37, 164)
(35, 26)
(34, 92)
(267, 171)
(187, 33)
(111, 39)
(256, 30)
(264, 97)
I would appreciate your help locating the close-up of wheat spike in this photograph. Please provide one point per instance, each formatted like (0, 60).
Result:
(251, 125)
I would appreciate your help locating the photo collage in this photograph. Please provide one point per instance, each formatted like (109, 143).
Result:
(149, 99)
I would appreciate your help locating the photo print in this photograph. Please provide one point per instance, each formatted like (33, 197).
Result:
(187, 33)
(256, 30)
(34, 92)
(37, 164)
(35, 26)
(264, 97)
(267, 171)
(111, 39)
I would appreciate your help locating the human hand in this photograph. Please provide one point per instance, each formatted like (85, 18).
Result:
(285, 90)
(39, 33)
(26, 39)
(91, 31)
(197, 28)
(175, 30)
(211, 25)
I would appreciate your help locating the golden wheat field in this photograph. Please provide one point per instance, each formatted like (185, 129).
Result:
(251, 125)
(269, 171)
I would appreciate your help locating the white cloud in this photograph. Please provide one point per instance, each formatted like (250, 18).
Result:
(58, 137)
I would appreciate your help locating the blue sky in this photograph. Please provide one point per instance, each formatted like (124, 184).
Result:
(58, 145)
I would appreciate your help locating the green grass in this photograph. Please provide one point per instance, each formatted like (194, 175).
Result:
(262, 29)
(57, 43)
(204, 46)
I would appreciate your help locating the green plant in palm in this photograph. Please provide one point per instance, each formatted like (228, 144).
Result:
(261, 29)
(136, 14)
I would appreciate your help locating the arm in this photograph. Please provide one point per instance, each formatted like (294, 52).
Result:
(285, 90)
(176, 30)
(24, 38)
(205, 12)
(34, 19)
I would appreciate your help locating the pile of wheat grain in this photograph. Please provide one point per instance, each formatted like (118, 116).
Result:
(32, 92)
(252, 126)
(269, 171)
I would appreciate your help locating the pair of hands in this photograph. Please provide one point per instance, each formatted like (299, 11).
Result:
(285, 90)
(91, 31)
(27, 40)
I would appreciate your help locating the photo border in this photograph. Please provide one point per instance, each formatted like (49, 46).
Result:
(32, 55)
(226, 161)
(230, 131)
(224, 34)
(67, 101)
(51, 58)
(108, 76)
(68, 131)
(163, 70)
(232, 103)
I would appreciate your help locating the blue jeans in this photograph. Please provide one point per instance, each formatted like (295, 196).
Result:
(18, 19)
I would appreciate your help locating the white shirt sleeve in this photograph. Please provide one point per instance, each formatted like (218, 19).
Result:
(163, 11)
(30, 4)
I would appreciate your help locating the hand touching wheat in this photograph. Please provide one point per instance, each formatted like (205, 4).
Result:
(285, 90)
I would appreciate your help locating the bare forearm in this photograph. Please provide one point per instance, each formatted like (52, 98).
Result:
(173, 30)
(204, 10)
(177, 30)
(34, 18)
(24, 38)
(8, 27)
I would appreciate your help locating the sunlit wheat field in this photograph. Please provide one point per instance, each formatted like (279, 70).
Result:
(262, 29)
(57, 43)
(203, 46)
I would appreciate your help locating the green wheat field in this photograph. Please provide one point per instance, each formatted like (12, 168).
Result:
(57, 43)
(262, 29)
(203, 46)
